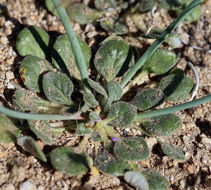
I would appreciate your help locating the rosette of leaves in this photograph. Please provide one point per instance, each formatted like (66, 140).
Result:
(98, 122)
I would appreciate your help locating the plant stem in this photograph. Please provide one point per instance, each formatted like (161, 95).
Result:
(80, 60)
(158, 42)
(134, 81)
(34, 116)
(172, 109)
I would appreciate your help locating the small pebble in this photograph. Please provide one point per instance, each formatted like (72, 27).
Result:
(27, 185)
(4, 40)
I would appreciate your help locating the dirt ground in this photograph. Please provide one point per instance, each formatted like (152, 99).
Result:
(20, 170)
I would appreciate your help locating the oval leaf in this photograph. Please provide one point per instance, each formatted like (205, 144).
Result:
(63, 56)
(82, 130)
(122, 114)
(160, 62)
(27, 100)
(29, 145)
(57, 87)
(114, 91)
(131, 148)
(148, 98)
(82, 14)
(176, 87)
(145, 6)
(104, 5)
(33, 40)
(43, 131)
(94, 116)
(31, 69)
(97, 87)
(90, 100)
(50, 6)
(173, 151)
(65, 160)
(163, 125)
(110, 57)
(137, 180)
(155, 180)
(108, 164)
(8, 131)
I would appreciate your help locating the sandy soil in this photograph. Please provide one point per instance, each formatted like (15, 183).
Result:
(20, 170)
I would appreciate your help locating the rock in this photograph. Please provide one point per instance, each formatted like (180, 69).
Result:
(27, 185)
(18, 173)
(8, 187)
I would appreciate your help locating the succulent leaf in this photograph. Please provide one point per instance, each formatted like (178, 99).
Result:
(155, 180)
(131, 148)
(122, 114)
(8, 131)
(82, 14)
(176, 87)
(94, 116)
(31, 69)
(160, 62)
(67, 161)
(63, 56)
(33, 40)
(173, 151)
(29, 144)
(137, 180)
(163, 125)
(148, 98)
(57, 87)
(110, 57)
(97, 87)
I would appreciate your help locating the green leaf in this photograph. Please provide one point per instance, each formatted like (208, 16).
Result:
(155, 180)
(137, 180)
(29, 145)
(94, 116)
(27, 100)
(122, 114)
(105, 103)
(33, 40)
(114, 25)
(145, 5)
(177, 71)
(104, 5)
(31, 69)
(114, 91)
(43, 131)
(163, 125)
(97, 87)
(8, 131)
(63, 56)
(173, 151)
(67, 161)
(194, 15)
(131, 148)
(96, 136)
(57, 87)
(90, 100)
(169, 5)
(108, 164)
(176, 87)
(110, 57)
(160, 62)
(148, 98)
(50, 6)
(82, 14)
(82, 130)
